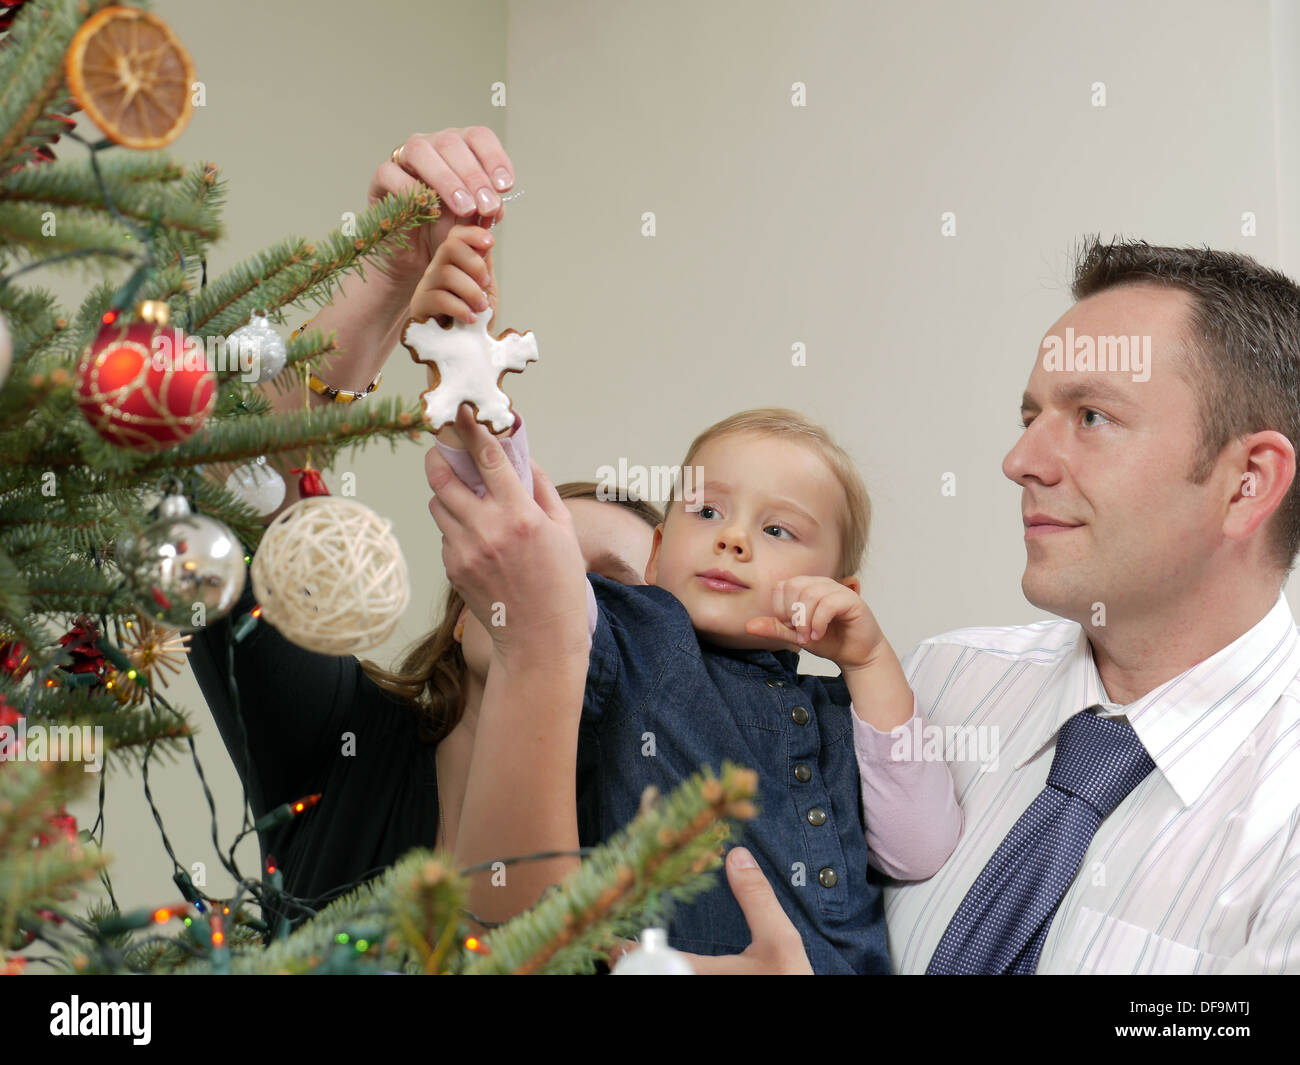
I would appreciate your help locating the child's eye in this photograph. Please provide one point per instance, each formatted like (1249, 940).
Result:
(705, 507)
(783, 529)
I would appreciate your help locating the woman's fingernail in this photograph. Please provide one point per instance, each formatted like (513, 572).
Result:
(744, 860)
(502, 177)
(461, 201)
(487, 201)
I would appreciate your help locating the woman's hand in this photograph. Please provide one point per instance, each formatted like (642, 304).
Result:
(516, 561)
(467, 168)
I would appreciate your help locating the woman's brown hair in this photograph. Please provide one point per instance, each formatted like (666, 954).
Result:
(429, 678)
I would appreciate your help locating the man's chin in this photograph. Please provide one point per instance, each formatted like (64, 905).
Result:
(1055, 599)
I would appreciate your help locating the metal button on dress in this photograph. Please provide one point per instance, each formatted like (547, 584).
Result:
(817, 816)
(800, 715)
(802, 773)
(828, 877)
(773, 682)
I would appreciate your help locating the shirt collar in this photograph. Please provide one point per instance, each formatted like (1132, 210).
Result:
(1194, 723)
(761, 660)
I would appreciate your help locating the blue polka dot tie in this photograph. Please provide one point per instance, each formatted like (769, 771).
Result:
(1002, 922)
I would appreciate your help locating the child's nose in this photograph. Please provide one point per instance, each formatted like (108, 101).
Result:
(733, 540)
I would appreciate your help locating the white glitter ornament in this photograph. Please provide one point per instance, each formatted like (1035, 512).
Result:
(654, 957)
(6, 349)
(257, 484)
(330, 575)
(468, 365)
(261, 345)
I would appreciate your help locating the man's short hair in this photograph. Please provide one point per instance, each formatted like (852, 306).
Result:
(1244, 344)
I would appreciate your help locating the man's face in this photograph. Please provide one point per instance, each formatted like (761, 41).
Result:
(767, 512)
(1109, 457)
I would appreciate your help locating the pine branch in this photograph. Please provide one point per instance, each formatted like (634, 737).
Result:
(326, 430)
(294, 270)
(31, 68)
(671, 847)
(32, 878)
(127, 733)
(403, 915)
(72, 586)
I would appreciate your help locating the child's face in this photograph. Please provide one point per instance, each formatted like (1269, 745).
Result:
(767, 511)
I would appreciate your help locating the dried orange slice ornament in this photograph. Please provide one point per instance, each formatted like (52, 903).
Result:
(132, 75)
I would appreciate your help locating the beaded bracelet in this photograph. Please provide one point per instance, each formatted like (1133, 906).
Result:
(340, 395)
(337, 395)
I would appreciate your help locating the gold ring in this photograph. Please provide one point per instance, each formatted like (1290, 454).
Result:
(397, 154)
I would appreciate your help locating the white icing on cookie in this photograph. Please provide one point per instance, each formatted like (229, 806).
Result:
(470, 364)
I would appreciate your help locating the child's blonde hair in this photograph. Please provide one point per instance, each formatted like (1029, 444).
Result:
(785, 424)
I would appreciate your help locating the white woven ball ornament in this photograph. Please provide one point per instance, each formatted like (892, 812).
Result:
(330, 575)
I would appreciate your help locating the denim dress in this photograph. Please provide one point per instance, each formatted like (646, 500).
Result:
(660, 703)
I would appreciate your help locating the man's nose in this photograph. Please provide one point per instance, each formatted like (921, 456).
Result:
(1035, 456)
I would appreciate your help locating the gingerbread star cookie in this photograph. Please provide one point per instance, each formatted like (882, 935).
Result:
(468, 365)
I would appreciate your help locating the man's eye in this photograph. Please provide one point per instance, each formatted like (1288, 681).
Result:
(1024, 423)
(1088, 410)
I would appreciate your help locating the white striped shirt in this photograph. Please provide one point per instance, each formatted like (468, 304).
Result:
(1197, 870)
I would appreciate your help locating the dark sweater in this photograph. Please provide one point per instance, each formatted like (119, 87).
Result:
(287, 740)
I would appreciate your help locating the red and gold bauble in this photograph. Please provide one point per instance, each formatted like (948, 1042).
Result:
(143, 394)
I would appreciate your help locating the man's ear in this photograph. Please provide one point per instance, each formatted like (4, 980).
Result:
(1265, 476)
(652, 564)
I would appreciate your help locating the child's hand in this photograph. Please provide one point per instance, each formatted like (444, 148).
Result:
(460, 282)
(821, 615)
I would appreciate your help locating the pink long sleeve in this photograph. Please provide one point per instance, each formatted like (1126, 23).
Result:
(516, 448)
(910, 804)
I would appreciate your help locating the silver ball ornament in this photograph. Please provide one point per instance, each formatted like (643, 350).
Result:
(186, 569)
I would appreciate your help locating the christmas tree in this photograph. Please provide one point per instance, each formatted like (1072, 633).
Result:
(115, 539)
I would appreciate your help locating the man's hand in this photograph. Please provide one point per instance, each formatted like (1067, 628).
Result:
(467, 168)
(775, 948)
